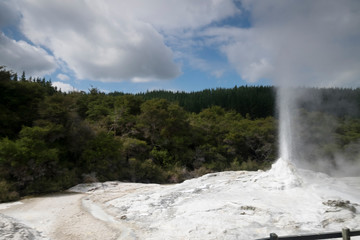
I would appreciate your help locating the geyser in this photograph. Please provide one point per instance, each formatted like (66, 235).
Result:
(285, 103)
(284, 170)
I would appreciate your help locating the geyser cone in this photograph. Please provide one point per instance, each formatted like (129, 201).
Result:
(284, 175)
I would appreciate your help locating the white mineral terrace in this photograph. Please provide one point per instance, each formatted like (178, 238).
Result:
(227, 205)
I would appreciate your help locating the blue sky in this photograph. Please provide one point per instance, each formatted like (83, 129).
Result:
(182, 45)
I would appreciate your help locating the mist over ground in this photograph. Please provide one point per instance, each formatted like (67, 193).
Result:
(316, 120)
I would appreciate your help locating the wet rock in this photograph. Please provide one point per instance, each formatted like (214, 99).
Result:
(342, 204)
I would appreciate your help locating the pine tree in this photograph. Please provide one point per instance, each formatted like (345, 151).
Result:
(23, 78)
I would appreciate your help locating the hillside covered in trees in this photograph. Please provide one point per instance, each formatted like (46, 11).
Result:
(50, 141)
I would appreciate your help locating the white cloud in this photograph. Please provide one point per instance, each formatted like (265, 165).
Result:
(142, 79)
(20, 56)
(64, 87)
(116, 40)
(298, 42)
(250, 54)
(8, 15)
(213, 67)
(63, 77)
(218, 73)
(302, 42)
(174, 14)
(97, 41)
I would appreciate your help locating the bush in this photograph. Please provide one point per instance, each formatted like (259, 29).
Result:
(249, 165)
(153, 172)
(7, 193)
(146, 171)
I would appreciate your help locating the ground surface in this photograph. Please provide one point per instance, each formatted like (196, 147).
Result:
(227, 205)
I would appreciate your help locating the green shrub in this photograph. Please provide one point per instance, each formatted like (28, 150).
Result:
(146, 171)
(7, 193)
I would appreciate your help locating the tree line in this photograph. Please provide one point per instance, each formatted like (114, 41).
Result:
(50, 141)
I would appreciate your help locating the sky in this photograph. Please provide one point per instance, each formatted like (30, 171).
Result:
(182, 45)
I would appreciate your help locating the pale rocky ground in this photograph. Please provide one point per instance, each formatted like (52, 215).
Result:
(227, 205)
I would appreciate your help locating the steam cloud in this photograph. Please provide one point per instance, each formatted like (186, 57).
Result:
(296, 44)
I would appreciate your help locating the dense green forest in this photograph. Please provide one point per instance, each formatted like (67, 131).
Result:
(50, 141)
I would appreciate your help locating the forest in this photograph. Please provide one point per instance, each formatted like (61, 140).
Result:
(51, 140)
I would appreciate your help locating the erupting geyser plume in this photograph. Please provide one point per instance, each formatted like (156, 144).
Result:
(285, 104)
(284, 170)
